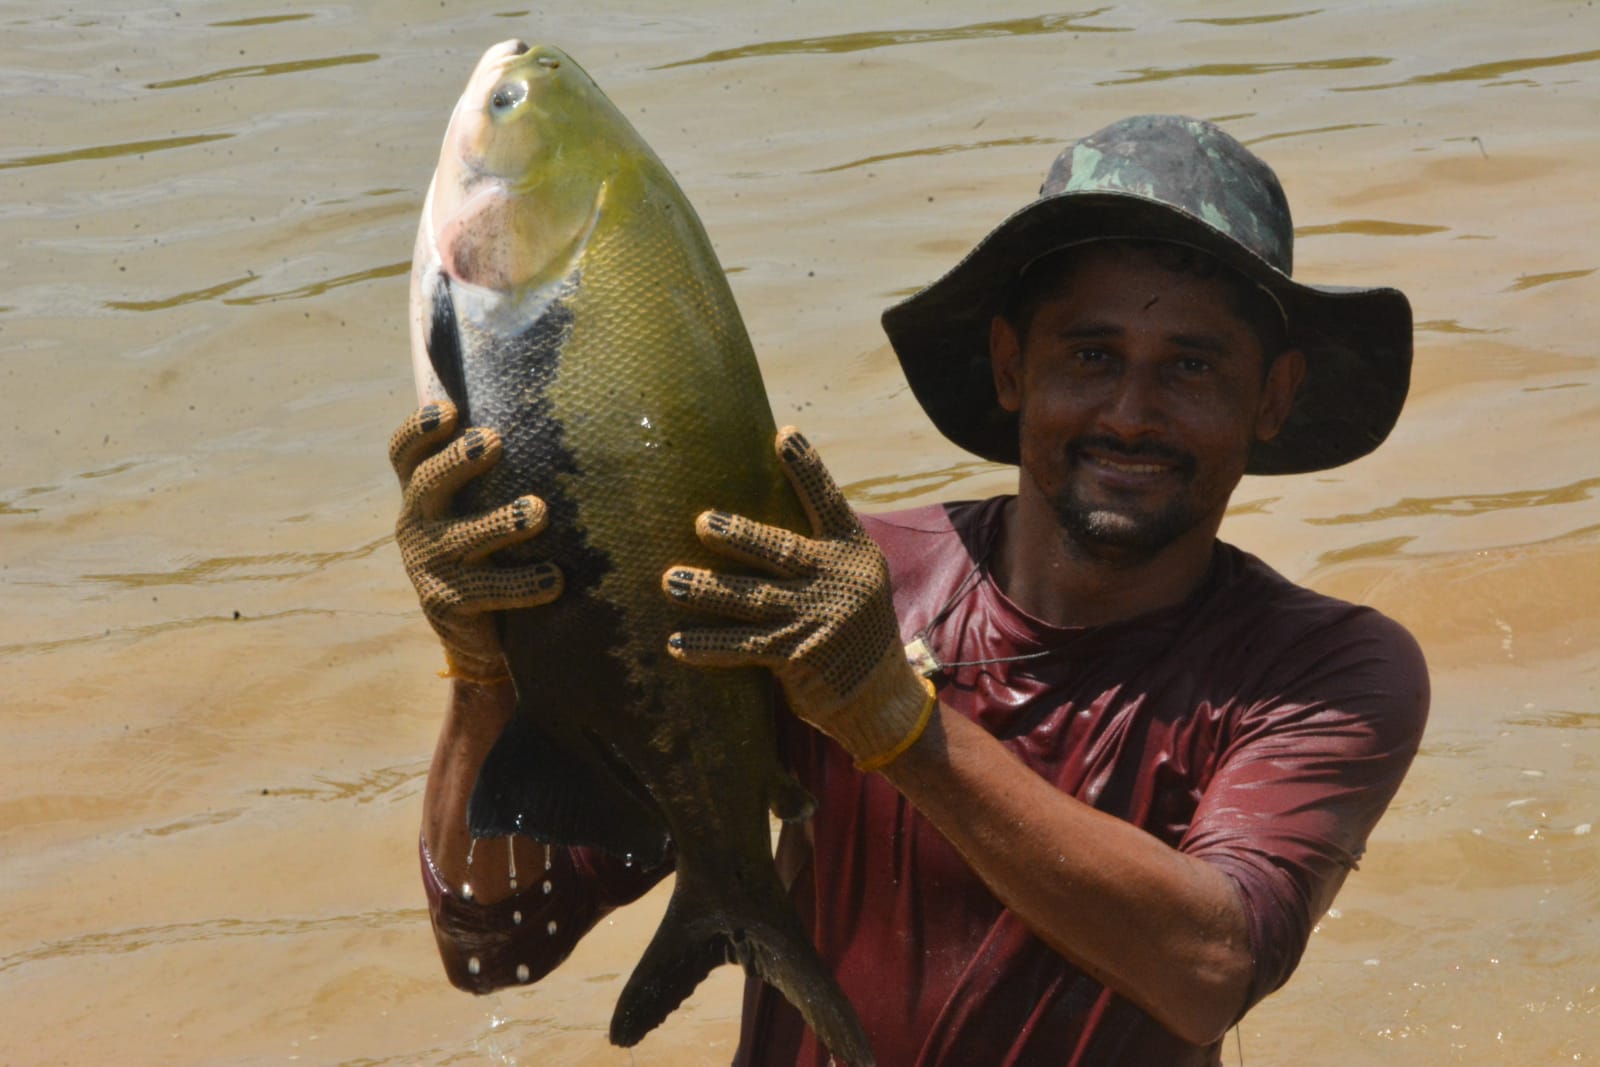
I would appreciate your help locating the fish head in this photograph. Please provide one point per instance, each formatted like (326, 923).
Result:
(530, 148)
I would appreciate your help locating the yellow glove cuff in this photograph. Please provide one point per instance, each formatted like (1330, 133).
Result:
(899, 748)
(486, 676)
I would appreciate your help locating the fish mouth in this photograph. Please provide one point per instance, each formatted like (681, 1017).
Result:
(494, 62)
(506, 50)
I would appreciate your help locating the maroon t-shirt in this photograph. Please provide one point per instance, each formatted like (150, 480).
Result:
(1258, 725)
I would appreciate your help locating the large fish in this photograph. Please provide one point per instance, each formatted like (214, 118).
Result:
(565, 294)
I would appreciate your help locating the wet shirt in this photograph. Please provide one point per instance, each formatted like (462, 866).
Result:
(1257, 725)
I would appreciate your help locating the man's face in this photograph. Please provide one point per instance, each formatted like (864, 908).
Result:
(1140, 391)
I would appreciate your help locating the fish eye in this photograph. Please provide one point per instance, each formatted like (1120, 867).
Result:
(508, 95)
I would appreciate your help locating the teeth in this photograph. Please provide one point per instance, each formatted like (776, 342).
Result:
(1133, 468)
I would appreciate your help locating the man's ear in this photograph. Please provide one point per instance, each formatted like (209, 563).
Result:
(1277, 396)
(1005, 360)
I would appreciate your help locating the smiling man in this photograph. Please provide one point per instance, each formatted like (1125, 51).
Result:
(1086, 776)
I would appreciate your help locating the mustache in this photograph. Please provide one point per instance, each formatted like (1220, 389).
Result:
(1152, 451)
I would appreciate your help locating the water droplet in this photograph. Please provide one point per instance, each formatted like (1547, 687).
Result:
(547, 857)
(466, 890)
(547, 887)
(516, 918)
(472, 846)
(511, 859)
(550, 928)
(473, 965)
(513, 883)
(627, 861)
(523, 974)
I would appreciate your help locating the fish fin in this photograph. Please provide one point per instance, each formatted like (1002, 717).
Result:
(444, 346)
(531, 784)
(789, 800)
(694, 938)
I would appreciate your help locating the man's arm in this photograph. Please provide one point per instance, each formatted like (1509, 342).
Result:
(1165, 930)
(519, 919)
(500, 915)
(473, 720)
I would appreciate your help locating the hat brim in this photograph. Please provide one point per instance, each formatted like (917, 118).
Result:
(1357, 342)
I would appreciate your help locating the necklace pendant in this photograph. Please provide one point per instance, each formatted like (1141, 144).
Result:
(922, 658)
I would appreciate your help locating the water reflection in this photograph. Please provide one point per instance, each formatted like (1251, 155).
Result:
(112, 151)
(261, 20)
(270, 567)
(1315, 131)
(1486, 72)
(1470, 503)
(265, 70)
(891, 489)
(862, 41)
(1533, 281)
(1253, 20)
(936, 150)
(1244, 70)
(1370, 228)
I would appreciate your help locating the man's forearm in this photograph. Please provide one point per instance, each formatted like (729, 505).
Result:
(1165, 930)
(473, 720)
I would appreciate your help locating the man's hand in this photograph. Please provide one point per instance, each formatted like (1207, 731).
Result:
(446, 556)
(824, 622)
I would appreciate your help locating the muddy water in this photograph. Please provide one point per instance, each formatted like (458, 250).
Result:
(219, 697)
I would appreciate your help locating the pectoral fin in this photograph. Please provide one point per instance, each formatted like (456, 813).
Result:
(444, 347)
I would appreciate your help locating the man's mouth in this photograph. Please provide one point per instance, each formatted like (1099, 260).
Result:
(1129, 468)
(1139, 460)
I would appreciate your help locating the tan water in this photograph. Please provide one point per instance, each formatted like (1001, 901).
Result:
(219, 697)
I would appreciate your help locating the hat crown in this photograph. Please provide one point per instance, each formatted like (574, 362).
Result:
(1188, 165)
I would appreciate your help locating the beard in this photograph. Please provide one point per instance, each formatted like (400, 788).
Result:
(1132, 528)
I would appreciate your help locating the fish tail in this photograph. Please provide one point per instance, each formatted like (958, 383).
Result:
(768, 941)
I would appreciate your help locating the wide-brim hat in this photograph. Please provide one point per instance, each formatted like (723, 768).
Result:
(1182, 180)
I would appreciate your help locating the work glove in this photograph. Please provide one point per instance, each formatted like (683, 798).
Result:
(446, 556)
(824, 621)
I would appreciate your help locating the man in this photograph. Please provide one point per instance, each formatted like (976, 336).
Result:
(1096, 821)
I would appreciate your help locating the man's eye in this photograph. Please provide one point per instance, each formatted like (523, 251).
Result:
(1093, 355)
(1194, 365)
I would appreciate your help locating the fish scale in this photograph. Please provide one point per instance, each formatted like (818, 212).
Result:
(565, 294)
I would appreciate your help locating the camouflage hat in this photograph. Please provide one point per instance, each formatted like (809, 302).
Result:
(1167, 178)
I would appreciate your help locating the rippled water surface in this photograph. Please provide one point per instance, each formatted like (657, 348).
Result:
(219, 697)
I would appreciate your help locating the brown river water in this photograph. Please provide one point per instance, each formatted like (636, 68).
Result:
(219, 698)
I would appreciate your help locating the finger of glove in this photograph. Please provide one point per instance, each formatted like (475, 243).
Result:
(733, 646)
(481, 589)
(435, 481)
(474, 540)
(735, 596)
(825, 505)
(419, 436)
(756, 544)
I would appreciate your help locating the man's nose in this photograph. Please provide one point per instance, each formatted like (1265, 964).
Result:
(1135, 405)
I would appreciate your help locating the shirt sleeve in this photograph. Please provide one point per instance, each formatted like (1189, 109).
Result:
(1305, 778)
(519, 940)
